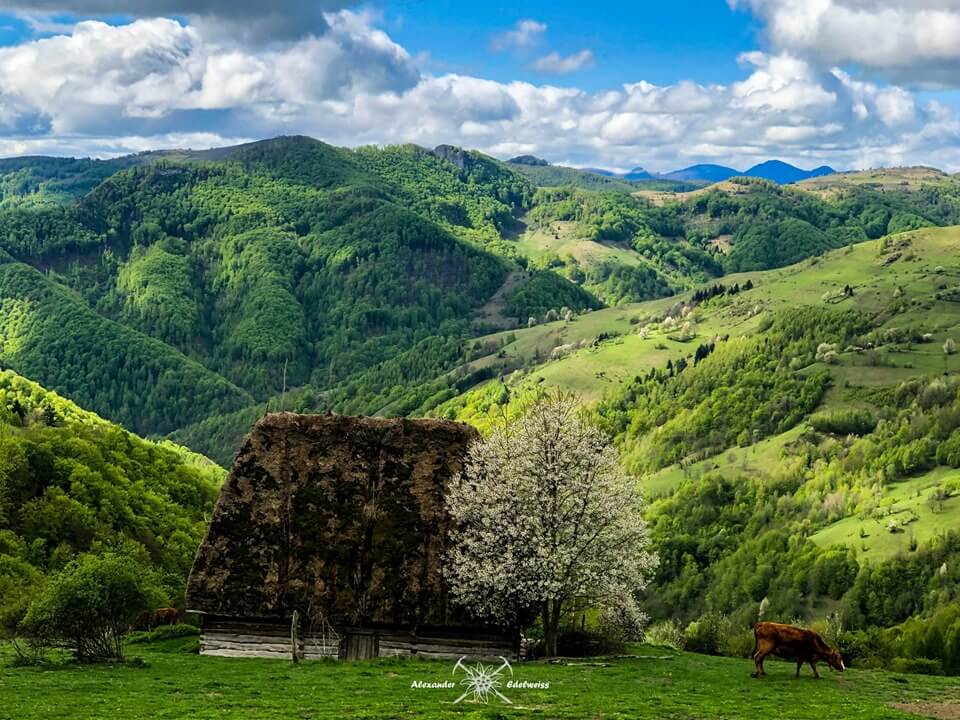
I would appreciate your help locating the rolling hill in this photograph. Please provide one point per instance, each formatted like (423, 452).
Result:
(775, 362)
(801, 411)
(290, 271)
(71, 483)
(175, 290)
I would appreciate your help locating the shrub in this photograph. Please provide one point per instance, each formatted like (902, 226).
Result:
(871, 648)
(89, 605)
(666, 633)
(844, 422)
(164, 632)
(28, 654)
(706, 634)
(736, 643)
(918, 666)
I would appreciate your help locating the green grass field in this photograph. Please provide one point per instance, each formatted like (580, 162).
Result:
(561, 239)
(757, 461)
(658, 683)
(906, 503)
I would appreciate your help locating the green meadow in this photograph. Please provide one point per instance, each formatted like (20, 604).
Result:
(902, 292)
(171, 682)
(908, 504)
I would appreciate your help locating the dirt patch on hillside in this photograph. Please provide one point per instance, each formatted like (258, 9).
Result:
(949, 710)
(492, 314)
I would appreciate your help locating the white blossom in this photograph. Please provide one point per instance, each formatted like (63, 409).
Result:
(545, 516)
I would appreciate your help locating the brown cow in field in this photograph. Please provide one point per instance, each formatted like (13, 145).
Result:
(789, 641)
(165, 616)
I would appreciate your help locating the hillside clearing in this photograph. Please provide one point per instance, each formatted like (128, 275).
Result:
(906, 503)
(901, 294)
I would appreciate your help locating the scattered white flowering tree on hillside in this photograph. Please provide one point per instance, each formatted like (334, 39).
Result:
(545, 517)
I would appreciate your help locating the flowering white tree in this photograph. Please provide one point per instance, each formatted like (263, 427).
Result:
(544, 517)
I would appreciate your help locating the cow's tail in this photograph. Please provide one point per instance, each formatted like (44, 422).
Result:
(756, 640)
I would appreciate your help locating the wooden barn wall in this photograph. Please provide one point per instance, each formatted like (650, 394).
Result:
(266, 639)
(239, 638)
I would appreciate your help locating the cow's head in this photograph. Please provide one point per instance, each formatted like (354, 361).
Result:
(836, 662)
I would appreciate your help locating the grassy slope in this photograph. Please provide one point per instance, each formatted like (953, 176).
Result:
(906, 178)
(535, 243)
(592, 371)
(906, 503)
(561, 239)
(658, 683)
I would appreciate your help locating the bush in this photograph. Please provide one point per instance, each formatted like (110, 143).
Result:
(737, 643)
(28, 654)
(918, 666)
(870, 648)
(89, 605)
(164, 632)
(666, 633)
(706, 634)
(844, 422)
(716, 634)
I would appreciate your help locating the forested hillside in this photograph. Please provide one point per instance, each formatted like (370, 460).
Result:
(72, 483)
(777, 364)
(796, 431)
(184, 292)
(176, 291)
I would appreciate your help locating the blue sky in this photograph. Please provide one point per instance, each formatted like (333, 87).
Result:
(659, 42)
(614, 84)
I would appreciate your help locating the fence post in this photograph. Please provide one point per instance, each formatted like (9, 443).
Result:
(294, 640)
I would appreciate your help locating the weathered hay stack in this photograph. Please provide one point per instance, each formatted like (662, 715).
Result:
(336, 525)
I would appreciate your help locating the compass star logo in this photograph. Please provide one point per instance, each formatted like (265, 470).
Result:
(482, 681)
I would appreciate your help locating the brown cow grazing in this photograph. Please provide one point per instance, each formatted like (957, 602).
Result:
(165, 616)
(789, 641)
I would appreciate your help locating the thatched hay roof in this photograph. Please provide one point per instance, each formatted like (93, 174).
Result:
(336, 515)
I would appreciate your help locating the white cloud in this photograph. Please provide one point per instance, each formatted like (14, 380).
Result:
(902, 40)
(896, 107)
(556, 64)
(104, 90)
(247, 20)
(524, 35)
(781, 82)
(110, 146)
(103, 75)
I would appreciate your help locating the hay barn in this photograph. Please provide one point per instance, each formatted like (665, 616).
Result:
(328, 540)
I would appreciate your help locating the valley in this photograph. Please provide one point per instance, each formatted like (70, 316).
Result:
(396, 360)
(776, 364)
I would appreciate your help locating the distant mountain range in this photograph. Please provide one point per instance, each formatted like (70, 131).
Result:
(774, 170)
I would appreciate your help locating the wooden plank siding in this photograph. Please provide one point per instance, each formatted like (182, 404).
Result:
(233, 637)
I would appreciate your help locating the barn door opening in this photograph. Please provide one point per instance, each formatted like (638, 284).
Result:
(360, 645)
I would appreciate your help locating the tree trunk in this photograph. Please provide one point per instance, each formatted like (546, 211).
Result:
(551, 625)
(549, 639)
